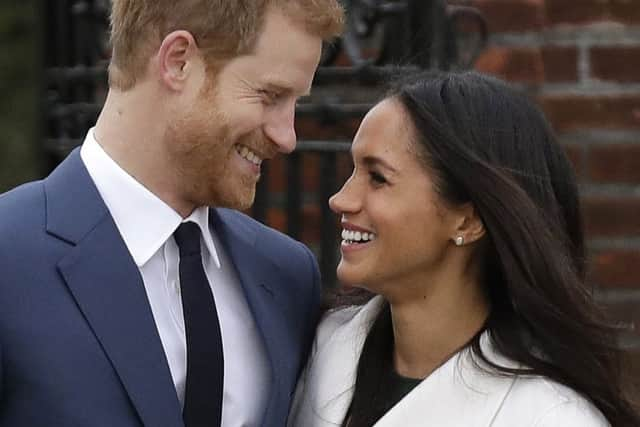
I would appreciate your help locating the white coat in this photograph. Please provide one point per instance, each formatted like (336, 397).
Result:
(457, 394)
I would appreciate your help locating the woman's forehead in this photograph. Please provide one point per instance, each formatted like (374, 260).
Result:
(384, 131)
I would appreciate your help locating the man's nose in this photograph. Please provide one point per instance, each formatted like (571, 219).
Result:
(279, 127)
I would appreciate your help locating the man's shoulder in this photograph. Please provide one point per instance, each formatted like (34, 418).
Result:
(22, 224)
(22, 205)
(348, 321)
(268, 236)
(292, 258)
(25, 193)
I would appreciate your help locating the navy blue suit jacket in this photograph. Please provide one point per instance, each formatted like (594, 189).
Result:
(78, 343)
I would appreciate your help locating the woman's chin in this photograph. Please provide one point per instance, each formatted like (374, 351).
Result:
(347, 277)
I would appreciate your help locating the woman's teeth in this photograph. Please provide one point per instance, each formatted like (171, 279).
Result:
(246, 153)
(350, 236)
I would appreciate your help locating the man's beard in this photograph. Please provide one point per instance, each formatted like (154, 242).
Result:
(203, 147)
(207, 170)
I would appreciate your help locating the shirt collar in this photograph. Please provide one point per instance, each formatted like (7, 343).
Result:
(144, 220)
(201, 217)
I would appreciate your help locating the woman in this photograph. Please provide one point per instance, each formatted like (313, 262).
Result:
(462, 216)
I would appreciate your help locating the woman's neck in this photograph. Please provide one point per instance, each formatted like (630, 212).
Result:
(429, 330)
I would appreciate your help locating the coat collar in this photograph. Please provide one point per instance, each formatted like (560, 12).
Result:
(108, 288)
(458, 393)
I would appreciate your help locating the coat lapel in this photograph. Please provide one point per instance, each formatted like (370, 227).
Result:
(108, 288)
(260, 284)
(456, 394)
(332, 369)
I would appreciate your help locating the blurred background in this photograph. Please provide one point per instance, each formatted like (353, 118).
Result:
(20, 100)
(580, 59)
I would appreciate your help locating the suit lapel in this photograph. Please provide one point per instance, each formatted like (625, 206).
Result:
(260, 284)
(108, 288)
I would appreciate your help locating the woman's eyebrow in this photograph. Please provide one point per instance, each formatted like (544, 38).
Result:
(371, 160)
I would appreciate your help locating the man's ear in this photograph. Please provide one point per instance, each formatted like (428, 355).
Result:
(178, 57)
(468, 225)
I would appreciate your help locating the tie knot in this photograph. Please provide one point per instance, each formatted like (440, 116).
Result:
(188, 239)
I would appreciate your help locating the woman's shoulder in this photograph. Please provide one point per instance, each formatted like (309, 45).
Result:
(535, 400)
(356, 317)
(334, 320)
(547, 403)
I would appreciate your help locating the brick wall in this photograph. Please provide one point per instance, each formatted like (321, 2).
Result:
(581, 59)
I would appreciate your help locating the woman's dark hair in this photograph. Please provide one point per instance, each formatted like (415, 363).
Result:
(486, 143)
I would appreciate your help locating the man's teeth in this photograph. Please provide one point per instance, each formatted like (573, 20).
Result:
(245, 153)
(357, 236)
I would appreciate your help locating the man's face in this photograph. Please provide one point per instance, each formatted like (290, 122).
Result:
(243, 116)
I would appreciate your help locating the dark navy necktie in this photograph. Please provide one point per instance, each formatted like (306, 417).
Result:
(205, 364)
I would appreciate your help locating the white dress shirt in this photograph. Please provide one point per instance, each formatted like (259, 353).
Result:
(147, 224)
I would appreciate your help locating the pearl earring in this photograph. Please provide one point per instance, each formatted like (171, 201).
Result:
(459, 241)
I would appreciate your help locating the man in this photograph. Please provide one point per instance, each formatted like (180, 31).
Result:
(124, 299)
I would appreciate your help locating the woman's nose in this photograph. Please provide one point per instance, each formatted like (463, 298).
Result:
(345, 200)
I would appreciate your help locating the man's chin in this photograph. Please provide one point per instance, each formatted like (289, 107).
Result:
(238, 202)
(244, 206)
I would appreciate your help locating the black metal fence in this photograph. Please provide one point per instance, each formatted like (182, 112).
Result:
(404, 34)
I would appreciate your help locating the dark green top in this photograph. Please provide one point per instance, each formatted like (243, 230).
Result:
(395, 387)
(400, 386)
(379, 387)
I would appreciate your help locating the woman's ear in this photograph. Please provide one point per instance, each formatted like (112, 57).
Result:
(469, 227)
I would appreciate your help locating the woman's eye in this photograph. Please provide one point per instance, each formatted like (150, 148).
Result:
(377, 178)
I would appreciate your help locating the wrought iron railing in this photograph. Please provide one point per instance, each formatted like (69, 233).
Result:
(382, 37)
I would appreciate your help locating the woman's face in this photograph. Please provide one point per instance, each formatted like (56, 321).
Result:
(395, 227)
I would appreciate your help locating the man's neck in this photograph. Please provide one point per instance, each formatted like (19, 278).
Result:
(131, 131)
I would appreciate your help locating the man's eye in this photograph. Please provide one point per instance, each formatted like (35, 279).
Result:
(270, 95)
